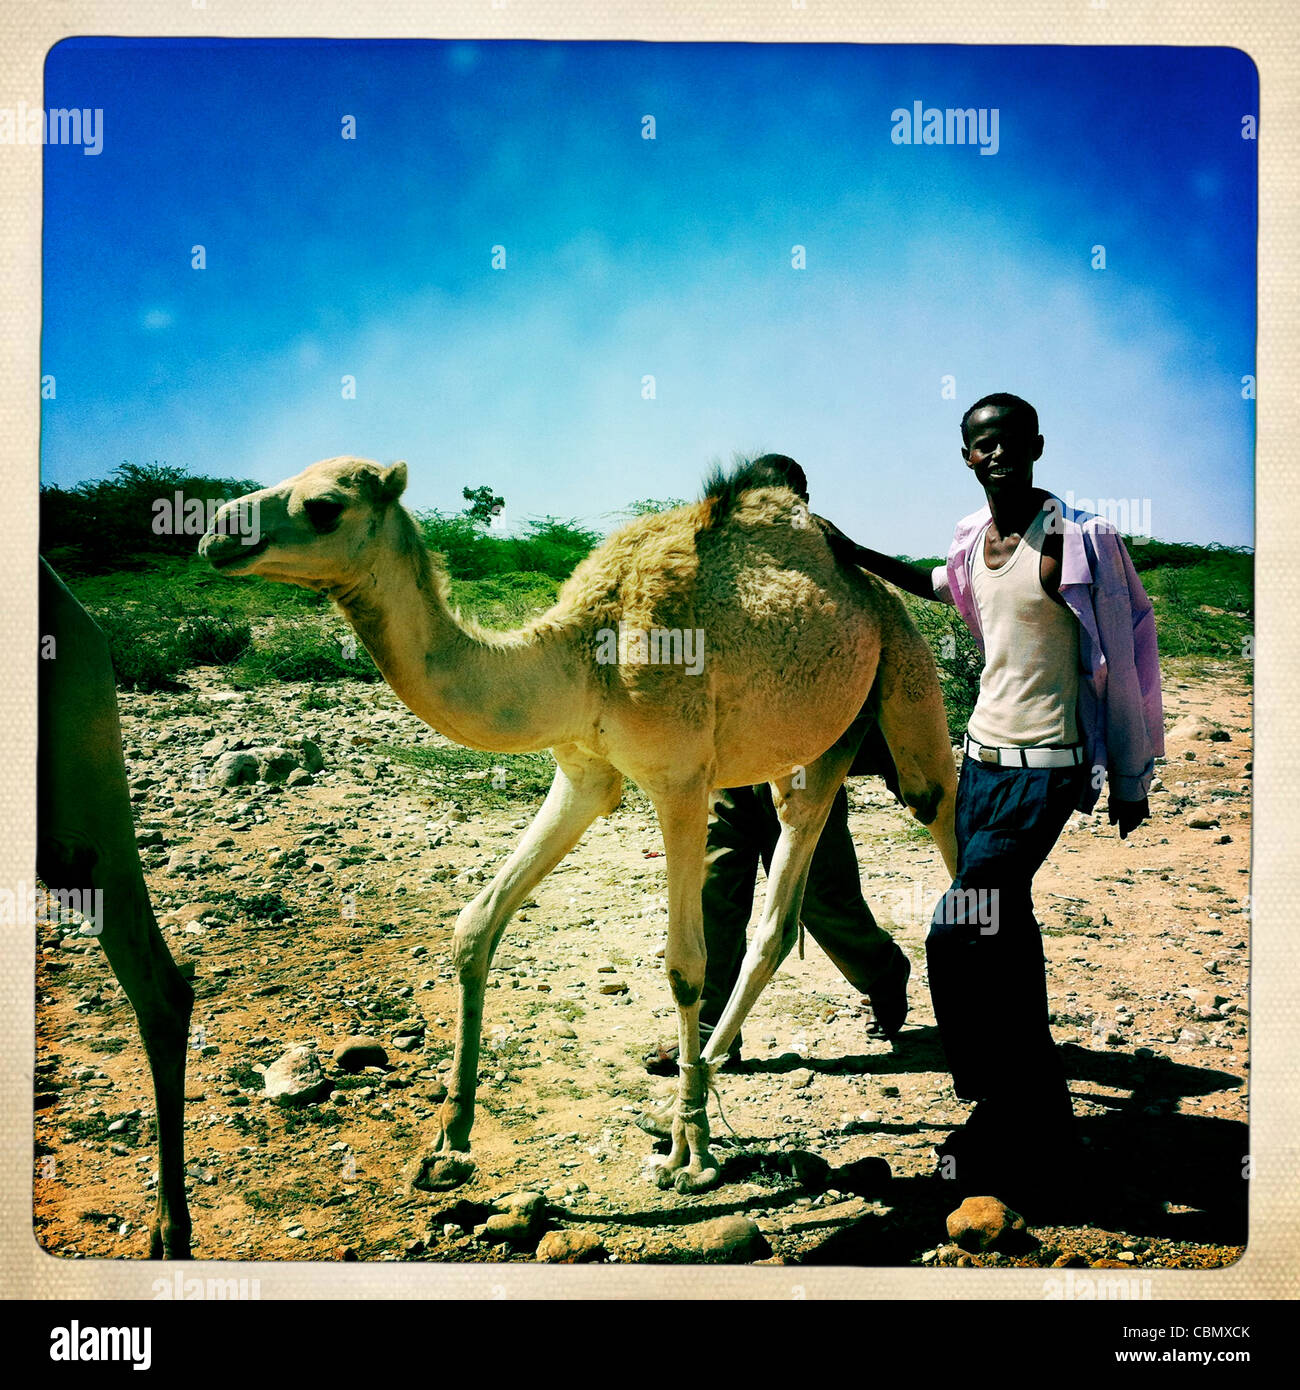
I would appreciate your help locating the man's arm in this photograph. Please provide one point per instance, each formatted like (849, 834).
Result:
(916, 579)
(1134, 720)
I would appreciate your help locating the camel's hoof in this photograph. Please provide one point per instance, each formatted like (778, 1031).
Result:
(684, 1180)
(656, 1121)
(441, 1171)
(664, 1174)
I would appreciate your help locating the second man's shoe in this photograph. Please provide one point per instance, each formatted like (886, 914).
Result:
(888, 996)
(662, 1061)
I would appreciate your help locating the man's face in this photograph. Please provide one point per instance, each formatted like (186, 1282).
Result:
(1001, 448)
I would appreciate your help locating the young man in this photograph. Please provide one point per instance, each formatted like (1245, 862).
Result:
(1069, 697)
(743, 830)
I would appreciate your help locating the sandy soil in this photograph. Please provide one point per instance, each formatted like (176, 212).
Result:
(320, 911)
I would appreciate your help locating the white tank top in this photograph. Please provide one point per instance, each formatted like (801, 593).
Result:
(1030, 684)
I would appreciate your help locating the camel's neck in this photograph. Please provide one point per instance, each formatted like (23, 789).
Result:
(507, 694)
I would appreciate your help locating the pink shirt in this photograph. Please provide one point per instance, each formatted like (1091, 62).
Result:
(1120, 713)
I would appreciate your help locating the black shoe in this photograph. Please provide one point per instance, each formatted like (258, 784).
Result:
(1022, 1164)
(662, 1061)
(888, 996)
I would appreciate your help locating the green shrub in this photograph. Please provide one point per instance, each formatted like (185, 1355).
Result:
(107, 524)
(649, 506)
(504, 600)
(955, 654)
(243, 1076)
(546, 545)
(303, 651)
(1184, 628)
(267, 906)
(468, 551)
(151, 645)
(550, 546)
(213, 639)
(146, 655)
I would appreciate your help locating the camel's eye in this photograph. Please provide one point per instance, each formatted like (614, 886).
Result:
(323, 514)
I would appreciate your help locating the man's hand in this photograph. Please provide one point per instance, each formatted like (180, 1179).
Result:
(1128, 815)
(846, 550)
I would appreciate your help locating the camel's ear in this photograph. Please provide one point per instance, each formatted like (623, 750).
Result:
(391, 483)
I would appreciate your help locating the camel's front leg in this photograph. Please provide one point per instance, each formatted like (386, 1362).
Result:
(802, 811)
(583, 789)
(683, 816)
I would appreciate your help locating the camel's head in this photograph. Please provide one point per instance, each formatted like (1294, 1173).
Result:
(317, 529)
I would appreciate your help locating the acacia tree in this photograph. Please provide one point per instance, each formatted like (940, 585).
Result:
(484, 504)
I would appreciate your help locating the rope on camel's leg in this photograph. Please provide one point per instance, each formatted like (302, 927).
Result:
(722, 1114)
(711, 1086)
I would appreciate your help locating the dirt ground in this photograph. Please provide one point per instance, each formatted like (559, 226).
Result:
(315, 912)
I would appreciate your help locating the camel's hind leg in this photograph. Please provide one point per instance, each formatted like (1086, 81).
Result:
(86, 840)
(915, 726)
(584, 788)
(802, 812)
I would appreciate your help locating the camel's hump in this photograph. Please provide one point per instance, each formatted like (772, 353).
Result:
(724, 488)
(750, 542)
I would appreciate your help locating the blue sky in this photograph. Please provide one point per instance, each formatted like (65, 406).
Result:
(628, 257)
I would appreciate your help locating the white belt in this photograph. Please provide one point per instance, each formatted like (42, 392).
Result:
(1026, 757)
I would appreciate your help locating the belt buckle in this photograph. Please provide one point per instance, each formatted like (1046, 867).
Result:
(988, 755)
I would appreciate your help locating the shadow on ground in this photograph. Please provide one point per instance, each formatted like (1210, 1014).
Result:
(1145, 1170)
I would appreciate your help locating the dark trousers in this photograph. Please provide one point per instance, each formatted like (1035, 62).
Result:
(985, 950)
(743, 830)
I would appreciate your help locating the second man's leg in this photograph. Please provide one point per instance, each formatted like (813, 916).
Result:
(840, 922)
(737, 831)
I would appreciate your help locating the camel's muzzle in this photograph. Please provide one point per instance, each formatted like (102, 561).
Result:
(222, 551)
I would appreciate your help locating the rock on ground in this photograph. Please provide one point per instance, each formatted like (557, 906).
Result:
(296, 1078)
(570, 1247)
(517, 1220)
(356, 1053)
(984, 1223)
(274, 764)
(730, 1240)
(233, 770)
(1194, 726)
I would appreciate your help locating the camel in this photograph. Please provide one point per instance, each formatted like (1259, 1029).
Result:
(793, 644)
(85, 840)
